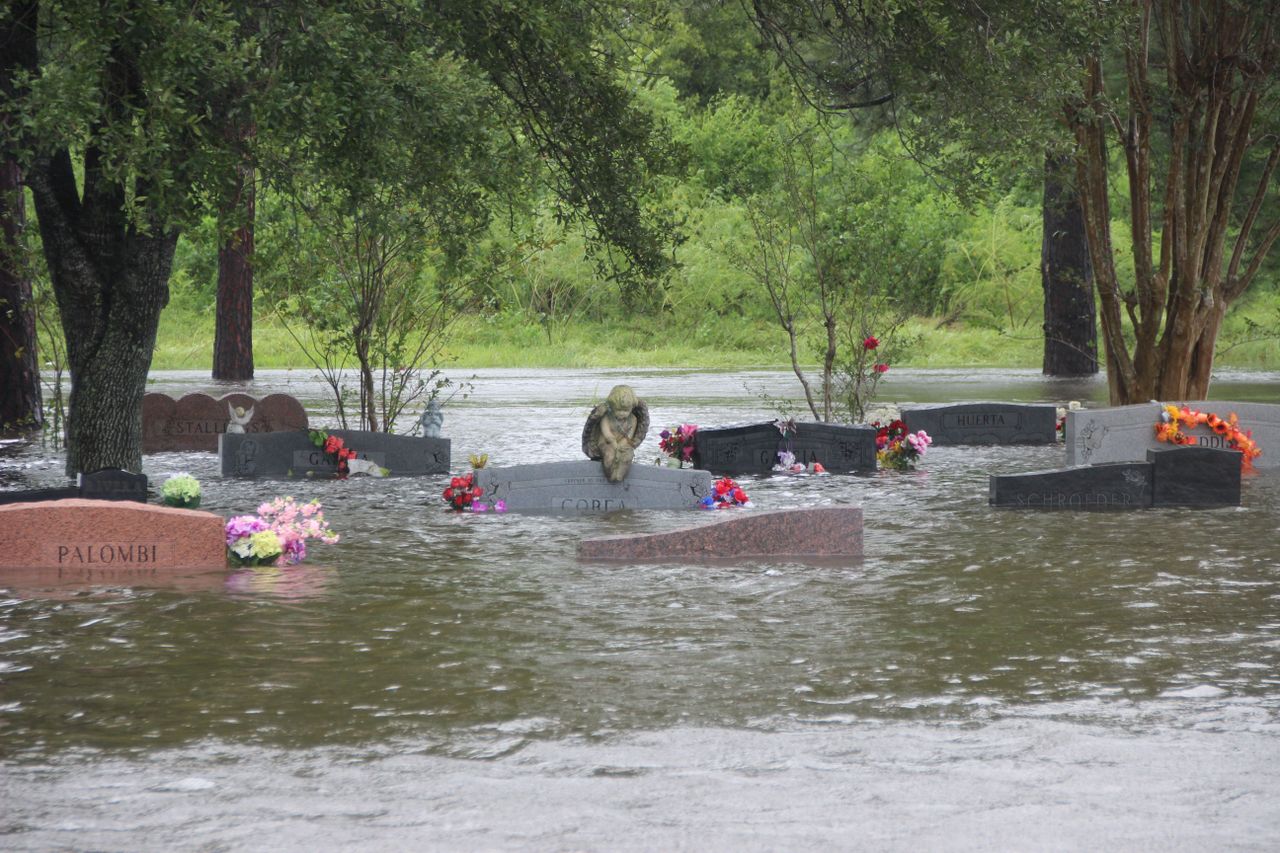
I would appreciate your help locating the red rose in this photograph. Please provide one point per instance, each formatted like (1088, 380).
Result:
(882, 368)
(740, 496)
(871, 342)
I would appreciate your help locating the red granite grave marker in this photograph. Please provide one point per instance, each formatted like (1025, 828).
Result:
(818, 532)
(108, 541)
(195, 421)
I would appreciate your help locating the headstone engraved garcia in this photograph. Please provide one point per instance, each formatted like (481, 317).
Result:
(984, 423)
(108, 540)
(293, 454)
(583, 487)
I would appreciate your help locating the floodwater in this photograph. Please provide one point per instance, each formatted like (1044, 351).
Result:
(981, 680)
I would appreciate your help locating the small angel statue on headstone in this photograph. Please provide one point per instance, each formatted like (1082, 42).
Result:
(614, 430)
(239, 418)
(432, 420)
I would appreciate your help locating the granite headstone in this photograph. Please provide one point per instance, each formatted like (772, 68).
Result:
(293, 454)
(1126, 433)
(108, 541)
(813, 532)
(1118, 485)
(582, 487)
(753, 448)
(196, 420)
(1195, 476)
(984, 423)
(111, 484)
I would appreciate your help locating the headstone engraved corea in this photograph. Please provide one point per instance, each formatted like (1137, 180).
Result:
(984, 423)
(195, 421)
(753, 448)
(1172, 477)
(293, 454)
(1126, 433)
(583, 487)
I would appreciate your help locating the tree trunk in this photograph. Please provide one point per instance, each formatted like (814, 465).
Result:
(111, 282)
(233, 335)
(20, 403)
(1070, 321)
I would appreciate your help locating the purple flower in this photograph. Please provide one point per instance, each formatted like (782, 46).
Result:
(499, 506)
(239, 526)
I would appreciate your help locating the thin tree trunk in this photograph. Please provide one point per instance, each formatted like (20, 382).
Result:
(233, 335)
(1070, 321)
(20, 404)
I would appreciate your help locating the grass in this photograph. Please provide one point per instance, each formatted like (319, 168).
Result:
(185, 341)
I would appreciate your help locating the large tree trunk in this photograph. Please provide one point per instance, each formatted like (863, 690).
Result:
(20, 403)
(111, 282)
(1070, 322)
(233, 335)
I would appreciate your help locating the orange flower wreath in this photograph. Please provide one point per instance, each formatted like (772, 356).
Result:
(1173, 422)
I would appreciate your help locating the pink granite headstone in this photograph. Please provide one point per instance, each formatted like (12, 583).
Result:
(195, 421)
(108, 541)
(823, 533)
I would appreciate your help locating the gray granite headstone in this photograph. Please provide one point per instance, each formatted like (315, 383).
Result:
(292, 454)
(582, 487)
(984, 423)
(1126, 433)
(113, 484)
(754, 448)
(1120, 485)
(1195, 476)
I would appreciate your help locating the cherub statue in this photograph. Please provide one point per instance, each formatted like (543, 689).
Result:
(432, 420)
(614, 430)
(239, 418)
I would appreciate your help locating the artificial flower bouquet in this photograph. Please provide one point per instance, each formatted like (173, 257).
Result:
(898, 449)
(278, 534)
(1175, 424)
(677, 442)
(463, 495)
(182, 491)
(726, 493)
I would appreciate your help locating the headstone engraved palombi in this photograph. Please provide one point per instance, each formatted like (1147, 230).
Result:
(1126, 433)
(107, 541)
(195, 421)
(984, 423)
(753, 448)
(293, 454)
(1179, 476)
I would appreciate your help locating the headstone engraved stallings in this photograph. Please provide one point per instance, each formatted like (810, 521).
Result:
(111, 484)
(1121, 485)
(108, 541)
(1177, 476)
(195, 421)
(822, 532)
(753, 448)
(292, 454)
(984, 423)
(582, 487)
(1126, 433)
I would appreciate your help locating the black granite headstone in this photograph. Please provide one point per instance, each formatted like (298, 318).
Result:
(113, 484)
(754, 448)
(1195, 476)
(1120, 485)
(293, 454)
(35, 495)
(985, 423)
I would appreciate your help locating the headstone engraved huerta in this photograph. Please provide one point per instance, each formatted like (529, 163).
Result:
(294, 454)
(984, 423)
(88, 536)
(583, 487)
(753, 448)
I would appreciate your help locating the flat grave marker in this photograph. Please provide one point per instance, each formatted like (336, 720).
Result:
(753, 448)
(824, 533)
(195, 421)
(293, 454)
(984, 423)
(582, 487)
